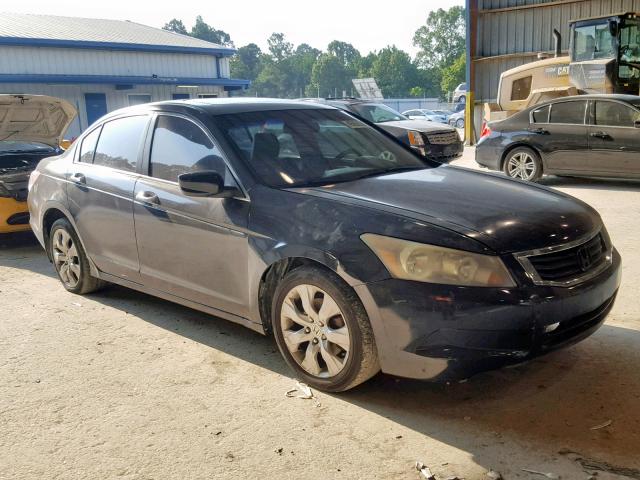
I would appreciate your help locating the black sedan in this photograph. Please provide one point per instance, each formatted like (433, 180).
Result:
(433, 140)
(302, 221)
(587, 135)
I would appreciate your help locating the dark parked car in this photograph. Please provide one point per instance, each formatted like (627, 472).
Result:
(302, 221)
(432, 140)
(587, 135)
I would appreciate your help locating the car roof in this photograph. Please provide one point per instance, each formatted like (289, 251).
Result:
(631, 99)
(221, 106)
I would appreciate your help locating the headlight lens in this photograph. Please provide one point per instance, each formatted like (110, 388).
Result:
(428, 263)
(415, 139)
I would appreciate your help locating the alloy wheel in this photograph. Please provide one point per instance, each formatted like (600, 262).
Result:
(522, 165)
(66, 258)
(315, 331)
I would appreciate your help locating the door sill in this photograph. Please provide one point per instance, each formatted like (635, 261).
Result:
(256, 327)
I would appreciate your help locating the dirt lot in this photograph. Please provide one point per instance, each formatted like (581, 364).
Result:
(123, 385)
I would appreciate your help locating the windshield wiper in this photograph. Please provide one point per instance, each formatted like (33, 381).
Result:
(387, 171)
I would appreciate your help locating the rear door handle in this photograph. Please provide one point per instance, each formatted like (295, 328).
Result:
(147, 197)
(602, 135)
(78, 178)
(540, 131)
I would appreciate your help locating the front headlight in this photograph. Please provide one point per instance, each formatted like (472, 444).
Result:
(428, 263)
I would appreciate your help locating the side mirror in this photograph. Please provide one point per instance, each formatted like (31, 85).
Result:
(205, 184)
(613, 28)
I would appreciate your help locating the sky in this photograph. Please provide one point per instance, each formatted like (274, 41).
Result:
(368, 25)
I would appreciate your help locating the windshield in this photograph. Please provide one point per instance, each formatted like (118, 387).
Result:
(630, 42)
(377, 112)
(593, 42)
(292, 148)
(14, 146)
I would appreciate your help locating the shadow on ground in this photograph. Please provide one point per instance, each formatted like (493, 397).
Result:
(554, 401)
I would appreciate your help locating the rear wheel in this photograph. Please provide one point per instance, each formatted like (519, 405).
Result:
(322, 330)
(524, 164)
(70, 259)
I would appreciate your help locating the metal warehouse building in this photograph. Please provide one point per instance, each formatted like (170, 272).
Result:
(102, 65)
(502, 34)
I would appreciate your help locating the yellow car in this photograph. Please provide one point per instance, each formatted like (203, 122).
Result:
(31, 128)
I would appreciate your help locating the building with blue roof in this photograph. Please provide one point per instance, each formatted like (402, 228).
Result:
(101, 65)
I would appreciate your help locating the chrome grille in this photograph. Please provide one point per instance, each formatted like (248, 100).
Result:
(568, 264)
(445, 138)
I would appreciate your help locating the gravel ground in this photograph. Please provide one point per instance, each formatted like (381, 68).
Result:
(122, 385)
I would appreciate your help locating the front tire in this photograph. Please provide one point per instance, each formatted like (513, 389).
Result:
(323, 331)
(70, 260)
(523, 163)
(460, 123)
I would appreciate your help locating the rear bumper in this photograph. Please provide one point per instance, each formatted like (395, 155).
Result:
(489, 156)
(442, 333)
(14, 216)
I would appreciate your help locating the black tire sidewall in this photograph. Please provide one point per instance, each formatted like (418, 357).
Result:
(337, 289)
(534, 155)
(85, 268)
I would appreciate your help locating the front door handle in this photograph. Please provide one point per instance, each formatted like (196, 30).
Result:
(148, 197)
(78, 178)
(602, 135)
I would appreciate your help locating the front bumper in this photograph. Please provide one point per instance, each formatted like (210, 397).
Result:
(442, 333)
(14, 216)
(444, 153)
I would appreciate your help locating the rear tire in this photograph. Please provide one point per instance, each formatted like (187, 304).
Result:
(70, 260)
(523, 163)
(323, 331)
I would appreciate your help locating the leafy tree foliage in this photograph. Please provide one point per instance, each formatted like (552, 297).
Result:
(206, 32)
(279, 47)
(176, 26)
(442, 39)
(287, 71)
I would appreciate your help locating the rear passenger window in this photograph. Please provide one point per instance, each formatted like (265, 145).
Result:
(541, 115)
(614, 114)
(180, 146)
(119, 143)
(88, 147)
(568, 112)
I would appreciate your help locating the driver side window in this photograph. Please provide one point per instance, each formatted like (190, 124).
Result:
(180, 146)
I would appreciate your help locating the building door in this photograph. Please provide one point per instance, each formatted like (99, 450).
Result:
(96, 106)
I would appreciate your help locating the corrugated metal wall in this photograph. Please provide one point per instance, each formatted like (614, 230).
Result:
(70, 61)
(115, 98)
(512, 32)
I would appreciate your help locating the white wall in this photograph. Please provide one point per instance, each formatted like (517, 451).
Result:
(70, 61)
(115, 98)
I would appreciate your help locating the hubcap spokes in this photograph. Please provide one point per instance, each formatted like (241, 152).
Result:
(522, 165)
(315, 331)
(65, 258)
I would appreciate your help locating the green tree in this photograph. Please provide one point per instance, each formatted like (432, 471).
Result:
(328, 76)
(246, 62)
(279, 47)
(454, 74)
(346, 53)
(176, 26)
(204, 31)
(299, 65)
(442, 39)
(394, 72)
(271, 81)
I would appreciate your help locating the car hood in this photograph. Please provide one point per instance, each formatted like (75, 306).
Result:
(504, 214)
(35, 118)
(423, 126)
